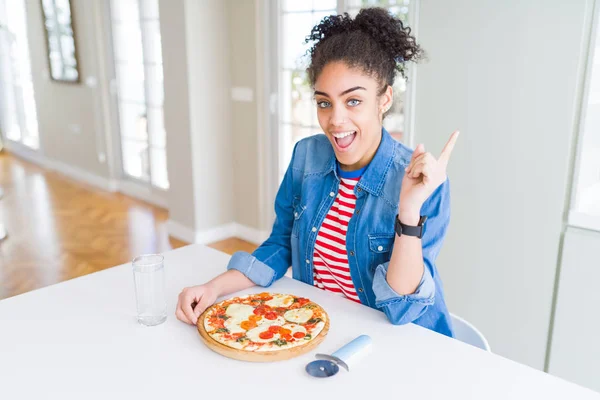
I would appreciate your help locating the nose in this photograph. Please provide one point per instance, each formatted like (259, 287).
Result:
(338, 116)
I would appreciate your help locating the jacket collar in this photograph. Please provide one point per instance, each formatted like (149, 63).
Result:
(373, 179)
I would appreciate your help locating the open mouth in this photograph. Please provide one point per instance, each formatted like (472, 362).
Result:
(344, 140)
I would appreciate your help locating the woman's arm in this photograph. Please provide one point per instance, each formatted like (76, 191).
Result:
(404, 287)
(265, 265)
(405, 269)
(422, 177)
(271, 260)
(404, 306)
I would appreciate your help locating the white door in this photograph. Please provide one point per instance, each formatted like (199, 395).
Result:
(136, 43)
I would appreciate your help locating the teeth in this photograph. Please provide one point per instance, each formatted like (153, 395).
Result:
(342, 134)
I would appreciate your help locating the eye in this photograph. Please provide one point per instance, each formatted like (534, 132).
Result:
(323, 104)
(354, 102)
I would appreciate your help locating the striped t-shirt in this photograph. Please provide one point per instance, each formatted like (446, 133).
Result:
(330, 257)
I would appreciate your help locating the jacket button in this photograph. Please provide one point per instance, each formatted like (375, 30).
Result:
(359, 189)
(308, 261)
(352, 253)
(314, 229)
(357, 212)
(331, 194)
(360, 290)
(380, 248)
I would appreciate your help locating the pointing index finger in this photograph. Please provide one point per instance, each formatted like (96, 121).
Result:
(447, 151)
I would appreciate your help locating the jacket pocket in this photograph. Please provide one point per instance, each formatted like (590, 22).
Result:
(380, 249)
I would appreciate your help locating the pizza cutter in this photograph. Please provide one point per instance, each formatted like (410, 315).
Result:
(328, 365)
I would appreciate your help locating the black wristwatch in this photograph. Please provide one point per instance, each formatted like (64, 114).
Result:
(408, 230)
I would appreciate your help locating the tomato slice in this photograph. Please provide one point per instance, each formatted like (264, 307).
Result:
(255, 318)
(287, 337)
(303, 301)
(266, 335)
(271, 315)
(274, 329)
(284, 331)
(247, 325)
(299, 335)
(261, 310)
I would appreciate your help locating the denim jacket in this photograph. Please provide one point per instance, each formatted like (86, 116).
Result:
(306, 194)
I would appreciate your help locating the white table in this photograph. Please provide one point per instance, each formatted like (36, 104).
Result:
(80, 340)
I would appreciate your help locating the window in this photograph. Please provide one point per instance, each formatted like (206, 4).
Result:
(17, 103)
(139, 69)
(297, 112)
(61, 41)
(585, 205)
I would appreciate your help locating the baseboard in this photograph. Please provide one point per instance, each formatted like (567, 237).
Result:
(214, 235)
(32, 156)
(250, 234)
(222, 232)
(81, 175)
(180, 231)
(141, 192)
(75, 173)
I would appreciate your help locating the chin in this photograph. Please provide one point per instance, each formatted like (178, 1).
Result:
(346, 159)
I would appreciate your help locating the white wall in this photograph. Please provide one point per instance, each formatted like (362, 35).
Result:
(505, 74)
(575, 350)
(195, 41)
(210, 110)
(71, 122)
(242, 42)
(177, 116)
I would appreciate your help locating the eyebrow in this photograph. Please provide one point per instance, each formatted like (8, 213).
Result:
(343, 93)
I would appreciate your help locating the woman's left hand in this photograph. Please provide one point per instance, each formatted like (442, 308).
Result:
(422, 176)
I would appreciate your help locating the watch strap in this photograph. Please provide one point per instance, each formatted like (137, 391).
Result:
(409, 230)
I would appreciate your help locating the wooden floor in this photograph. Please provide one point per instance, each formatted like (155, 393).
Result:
(60, 229)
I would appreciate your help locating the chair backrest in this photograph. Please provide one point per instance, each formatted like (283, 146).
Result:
(467, 333)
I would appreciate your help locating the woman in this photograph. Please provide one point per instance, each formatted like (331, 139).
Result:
(350, 212)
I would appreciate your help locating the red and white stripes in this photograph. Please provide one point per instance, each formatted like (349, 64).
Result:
(330, 258)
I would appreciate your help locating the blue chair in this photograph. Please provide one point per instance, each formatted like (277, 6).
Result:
(467, 333)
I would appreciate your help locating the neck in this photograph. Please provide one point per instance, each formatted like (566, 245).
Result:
(366, 158)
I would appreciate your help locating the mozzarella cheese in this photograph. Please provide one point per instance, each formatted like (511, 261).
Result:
(239, 312)
(278, 321)
(280, 300)
(299, 315)
(233, 325)
(295, 328)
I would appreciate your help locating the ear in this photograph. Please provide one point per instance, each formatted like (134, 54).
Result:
(386, 100)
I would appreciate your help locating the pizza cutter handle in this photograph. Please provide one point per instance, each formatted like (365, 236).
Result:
(352, 349)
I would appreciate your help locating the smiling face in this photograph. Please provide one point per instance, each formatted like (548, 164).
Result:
(350, 109)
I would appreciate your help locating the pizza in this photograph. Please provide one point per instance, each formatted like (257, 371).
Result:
(265, 322)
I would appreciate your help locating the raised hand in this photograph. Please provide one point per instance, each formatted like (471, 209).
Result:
(422, 176)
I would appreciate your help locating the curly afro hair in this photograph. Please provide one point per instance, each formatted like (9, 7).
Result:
(375, 42)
